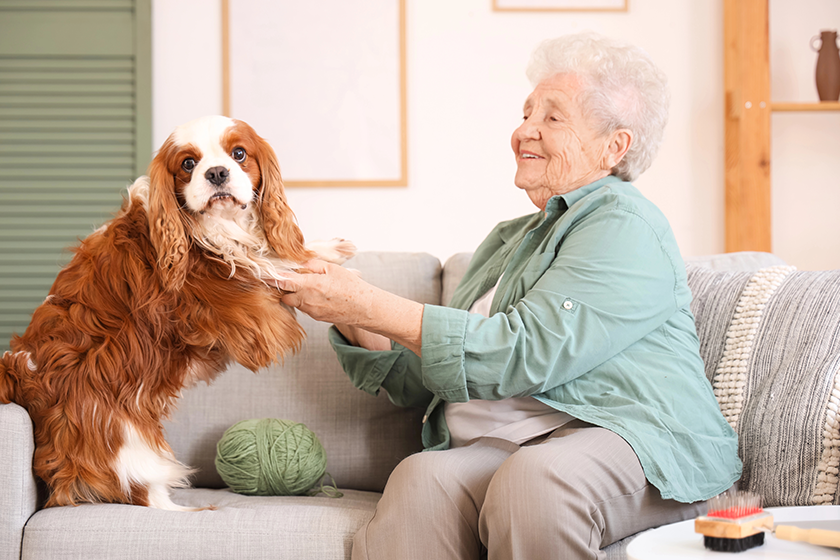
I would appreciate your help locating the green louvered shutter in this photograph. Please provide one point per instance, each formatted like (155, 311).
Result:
(75, 130)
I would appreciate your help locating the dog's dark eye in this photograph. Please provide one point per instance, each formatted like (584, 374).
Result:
(188, 165)
(238, 155)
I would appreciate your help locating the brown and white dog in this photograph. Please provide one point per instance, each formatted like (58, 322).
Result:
(168, 293)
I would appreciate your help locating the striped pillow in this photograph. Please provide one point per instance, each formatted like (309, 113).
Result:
(770, 340)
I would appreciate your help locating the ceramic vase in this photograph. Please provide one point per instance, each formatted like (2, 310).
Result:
(828, 65)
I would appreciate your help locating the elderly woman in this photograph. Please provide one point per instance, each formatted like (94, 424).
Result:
(566, 402)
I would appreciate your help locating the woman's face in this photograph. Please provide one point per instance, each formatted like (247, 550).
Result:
(556, 148)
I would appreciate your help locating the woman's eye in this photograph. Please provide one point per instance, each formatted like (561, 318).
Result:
(188, 165)
(238, 155)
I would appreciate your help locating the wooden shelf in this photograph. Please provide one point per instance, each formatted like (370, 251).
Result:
(747, 124)
(820, 106)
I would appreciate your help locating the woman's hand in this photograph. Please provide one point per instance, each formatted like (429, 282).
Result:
(332, 294)
(336, 295)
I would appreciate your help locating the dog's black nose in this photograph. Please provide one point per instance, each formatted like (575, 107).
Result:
(217, 175)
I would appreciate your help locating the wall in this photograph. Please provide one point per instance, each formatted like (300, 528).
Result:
(804, 151)
(466, 86)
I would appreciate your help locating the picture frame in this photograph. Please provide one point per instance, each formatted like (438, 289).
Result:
(560, 5)
(324, 83)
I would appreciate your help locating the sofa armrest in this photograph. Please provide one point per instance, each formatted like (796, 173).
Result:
(17, 482)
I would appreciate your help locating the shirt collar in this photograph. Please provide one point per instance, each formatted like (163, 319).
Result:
(556, 205)
(571, 197)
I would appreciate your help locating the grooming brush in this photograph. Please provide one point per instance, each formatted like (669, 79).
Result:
(736, 522)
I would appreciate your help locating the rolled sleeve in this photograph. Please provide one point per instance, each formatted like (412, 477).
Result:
(444, 336)
(396, 370)
(366, 369)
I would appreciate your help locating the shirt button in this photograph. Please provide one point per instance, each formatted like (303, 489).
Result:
(567, 305)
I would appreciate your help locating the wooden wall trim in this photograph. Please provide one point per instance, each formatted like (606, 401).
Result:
(747, 125)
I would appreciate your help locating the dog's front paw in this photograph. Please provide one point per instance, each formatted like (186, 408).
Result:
(335, 251)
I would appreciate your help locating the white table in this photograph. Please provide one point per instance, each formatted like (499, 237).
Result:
(678, 541)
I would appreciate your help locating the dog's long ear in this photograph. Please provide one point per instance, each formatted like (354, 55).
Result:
(279, 223)
(166, 224)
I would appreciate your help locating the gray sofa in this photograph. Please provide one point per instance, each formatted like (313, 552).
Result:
(770, 339)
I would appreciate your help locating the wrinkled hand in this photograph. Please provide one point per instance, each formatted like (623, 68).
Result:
(330, 293)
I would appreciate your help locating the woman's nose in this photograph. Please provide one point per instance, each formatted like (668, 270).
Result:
(528, 130)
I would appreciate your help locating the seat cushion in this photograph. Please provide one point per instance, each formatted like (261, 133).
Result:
(243, 527)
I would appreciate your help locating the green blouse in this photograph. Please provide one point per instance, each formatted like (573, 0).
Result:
(592, 318)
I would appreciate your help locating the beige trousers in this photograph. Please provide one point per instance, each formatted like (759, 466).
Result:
(566, 496)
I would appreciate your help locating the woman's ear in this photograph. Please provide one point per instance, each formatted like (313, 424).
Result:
(279, 223)
(166, 224)
(618, 143)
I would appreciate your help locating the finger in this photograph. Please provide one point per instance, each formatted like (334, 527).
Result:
(289, 282)
(292, 299)
(316, 265)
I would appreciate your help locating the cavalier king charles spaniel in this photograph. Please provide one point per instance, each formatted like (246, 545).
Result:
(168, 293)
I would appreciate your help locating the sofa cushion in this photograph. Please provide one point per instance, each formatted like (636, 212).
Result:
(453, 271)
(771, 343)
(364, 436)
(242, 527)
(743, 261)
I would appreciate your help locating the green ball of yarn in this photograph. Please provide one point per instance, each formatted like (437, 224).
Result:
(270, 457)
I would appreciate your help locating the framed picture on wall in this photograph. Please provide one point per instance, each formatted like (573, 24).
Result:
(560, 5)
(325, 83)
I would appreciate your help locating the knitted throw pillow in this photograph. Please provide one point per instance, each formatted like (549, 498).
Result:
(770, 340)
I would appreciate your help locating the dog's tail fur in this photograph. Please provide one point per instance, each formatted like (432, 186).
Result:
(8, 377)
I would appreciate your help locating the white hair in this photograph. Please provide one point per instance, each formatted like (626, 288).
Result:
(623, 88)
